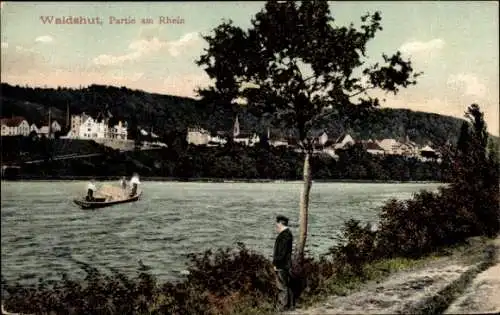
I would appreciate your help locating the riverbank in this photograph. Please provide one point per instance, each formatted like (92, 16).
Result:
(209, 180)
(59, 158)
(425, 285)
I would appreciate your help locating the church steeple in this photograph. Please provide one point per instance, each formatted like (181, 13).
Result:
(236, 127)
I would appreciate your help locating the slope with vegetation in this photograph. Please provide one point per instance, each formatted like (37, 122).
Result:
(170, 116)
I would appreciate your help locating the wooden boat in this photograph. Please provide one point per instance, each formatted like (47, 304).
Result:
(102, 203)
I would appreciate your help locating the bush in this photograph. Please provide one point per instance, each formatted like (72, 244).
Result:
(355, 249)
(217, 283)
(226, 272)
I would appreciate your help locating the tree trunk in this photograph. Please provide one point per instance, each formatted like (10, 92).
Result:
(304, 209)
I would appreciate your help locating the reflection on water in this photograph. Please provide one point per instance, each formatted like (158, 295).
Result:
(43, 233)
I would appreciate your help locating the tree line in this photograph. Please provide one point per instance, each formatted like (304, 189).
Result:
(197, 162)
(167, 115)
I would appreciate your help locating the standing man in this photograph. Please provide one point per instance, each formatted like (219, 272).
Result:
(282, 261)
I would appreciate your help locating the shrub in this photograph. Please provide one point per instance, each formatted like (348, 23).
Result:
(356, 247)
(226, 272)
(218, 282)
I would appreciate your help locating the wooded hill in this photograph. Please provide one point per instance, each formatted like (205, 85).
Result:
(169, 115)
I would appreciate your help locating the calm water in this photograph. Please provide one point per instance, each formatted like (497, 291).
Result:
(43, 233)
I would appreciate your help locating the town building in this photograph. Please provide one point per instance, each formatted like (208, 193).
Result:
(344, 142)
(86, 127)
(198, 136)
(373, 148)
(34, 128)
(120, 131)
(56, 127)
(391, 146)
(245, 138)
(15, 126)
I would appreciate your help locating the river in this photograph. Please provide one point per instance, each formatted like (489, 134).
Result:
(44, 234)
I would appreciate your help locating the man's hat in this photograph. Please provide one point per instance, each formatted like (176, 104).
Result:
(282, 219)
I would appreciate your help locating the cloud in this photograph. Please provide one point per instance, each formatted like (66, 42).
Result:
(21, 60)
(44, 39)
(470, 83)
(175, 48)
(5, 45)
(110, 60)
(148, 45)
(417, 47)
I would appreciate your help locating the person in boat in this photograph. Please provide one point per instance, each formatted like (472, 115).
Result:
(134, 182)
(123, 183)
(91, 189)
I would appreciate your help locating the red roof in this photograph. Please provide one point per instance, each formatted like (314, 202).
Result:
(12, 122)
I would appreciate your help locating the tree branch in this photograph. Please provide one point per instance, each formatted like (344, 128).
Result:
(362, 91)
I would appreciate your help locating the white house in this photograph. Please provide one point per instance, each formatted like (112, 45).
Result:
(428, 151)
(391, 146)
(344, 141)
(55, 126)
(44, 130)
(34, 128)
(278, 143)
(76, 122)
(119, 131)
(5, 129)
(92, 129)
(323, 138)
(217, 141)
(245, 138)
(198, 136)
(15, 126)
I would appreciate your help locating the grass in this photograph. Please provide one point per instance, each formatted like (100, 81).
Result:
(470, 253)
(344, 284)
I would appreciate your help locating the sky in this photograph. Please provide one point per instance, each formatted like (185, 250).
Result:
(455, 45)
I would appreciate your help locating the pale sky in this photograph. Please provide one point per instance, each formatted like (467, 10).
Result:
(455, 44)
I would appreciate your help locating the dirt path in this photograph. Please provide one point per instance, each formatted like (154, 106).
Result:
(483, 295)
(400, 291)
(412, 289)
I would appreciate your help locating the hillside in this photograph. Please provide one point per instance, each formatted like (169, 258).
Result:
(167, 114)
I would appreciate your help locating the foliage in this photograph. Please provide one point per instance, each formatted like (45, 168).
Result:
(225, 272)
(191, 162)
(293, 64)
(295, 67)
(355, 249)
(217, 282)
(173, 115)
(469, 206)
(227, 281)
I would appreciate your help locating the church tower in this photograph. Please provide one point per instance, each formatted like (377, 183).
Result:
(236, 127)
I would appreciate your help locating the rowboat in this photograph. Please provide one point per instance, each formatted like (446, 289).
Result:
(102, 202)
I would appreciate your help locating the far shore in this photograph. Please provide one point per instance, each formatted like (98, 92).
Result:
(208, 180)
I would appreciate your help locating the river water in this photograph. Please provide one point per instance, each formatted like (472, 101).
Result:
(44, 234)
